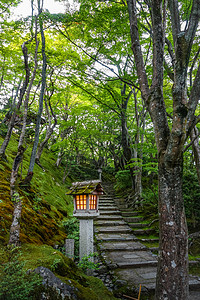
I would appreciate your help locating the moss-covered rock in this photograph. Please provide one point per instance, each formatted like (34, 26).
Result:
(45, 257)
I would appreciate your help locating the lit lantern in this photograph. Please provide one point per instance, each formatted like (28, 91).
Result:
(86, 198)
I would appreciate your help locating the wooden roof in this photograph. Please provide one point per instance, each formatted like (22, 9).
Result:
(86, 187)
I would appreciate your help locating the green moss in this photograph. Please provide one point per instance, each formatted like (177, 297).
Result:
(88, 288)
(45, 204)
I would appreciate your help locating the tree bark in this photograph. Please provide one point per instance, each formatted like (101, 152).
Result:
(196, 150)
(15, 226)
(127, 151)
(172, 274)
(40, 109)
(49, 131)
(22, 92)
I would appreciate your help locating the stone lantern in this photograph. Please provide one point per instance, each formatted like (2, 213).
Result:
(86, 199)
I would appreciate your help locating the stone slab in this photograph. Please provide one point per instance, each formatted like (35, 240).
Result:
(131, 257)
(123, 246)
(115, 237)
(110, 212)
(110, 217)
(136, 276)
(109, 223)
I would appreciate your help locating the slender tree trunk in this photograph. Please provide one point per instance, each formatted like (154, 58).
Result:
(196, 150)
(59, 159)
(15, 226)
(172, 276)
(127, 151)
(43, 144)
(22, 92)
(49, 132)
(138, 156)
(40, 109)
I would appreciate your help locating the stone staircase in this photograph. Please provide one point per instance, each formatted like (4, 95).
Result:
(131, 262)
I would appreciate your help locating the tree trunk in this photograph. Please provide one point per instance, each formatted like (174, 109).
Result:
(196, 150)
(43, 143)
(59, 159)
(127, 151)
(172, 275)
(15, 226)
(40, 109)
(22, 92)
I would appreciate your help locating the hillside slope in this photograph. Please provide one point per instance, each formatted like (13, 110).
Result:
(45, 209)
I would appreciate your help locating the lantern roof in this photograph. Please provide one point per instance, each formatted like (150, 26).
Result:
(86, 187)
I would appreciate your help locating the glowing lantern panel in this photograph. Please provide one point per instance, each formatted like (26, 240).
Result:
(92, 201)
(81, 201)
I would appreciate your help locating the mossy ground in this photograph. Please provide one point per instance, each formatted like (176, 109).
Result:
(45, 208)
(45, 204)
(88, 288)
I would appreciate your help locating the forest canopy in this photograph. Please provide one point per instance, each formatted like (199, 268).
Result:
(110, 85)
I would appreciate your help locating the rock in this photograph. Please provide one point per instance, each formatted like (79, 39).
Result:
(120, 283)
(102, 269)
(60, 288)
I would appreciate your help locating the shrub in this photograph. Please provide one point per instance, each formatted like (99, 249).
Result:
(16, 284)
(86, 263)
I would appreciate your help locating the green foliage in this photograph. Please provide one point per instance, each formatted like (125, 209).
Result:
(37, 203)
(86, 263)
(151, 167)
(191, 193)
(71, 226)
(123, 180)
(3, 129)
(15, 283)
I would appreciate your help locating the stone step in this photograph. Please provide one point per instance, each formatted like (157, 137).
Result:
(133, 219)
(147, 278)
(137, 225)
(123, 246)
(107, 207)
(104, 203)
(142, 231)
(128, 214)
(112, 218)
(109, 223)
(101, 237)
(123, 209)
(134, 265)
(114, 229)
(110, 212)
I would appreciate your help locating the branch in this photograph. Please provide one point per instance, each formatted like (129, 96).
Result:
(190, 144)
(194, 61)
(92, 95)
(94, 58)
(137, 51)
(193, 23)
(193, 100)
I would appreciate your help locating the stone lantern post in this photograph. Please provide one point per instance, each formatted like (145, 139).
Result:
(86, 199)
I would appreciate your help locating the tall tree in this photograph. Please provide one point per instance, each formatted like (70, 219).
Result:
(172, 275)
(14, 238)
(42, 91)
